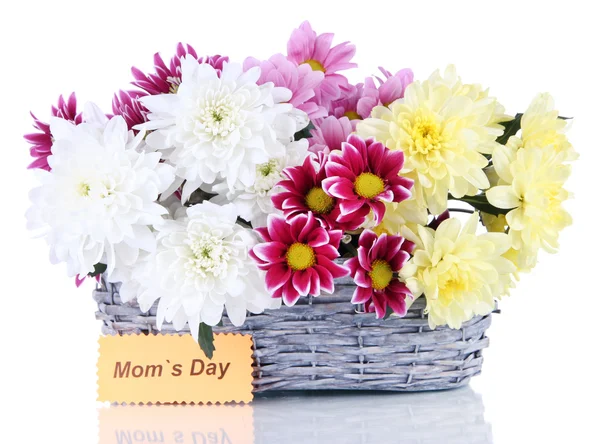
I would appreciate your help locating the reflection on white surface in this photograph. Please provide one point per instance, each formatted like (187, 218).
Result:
(449, 417)
(436, 417)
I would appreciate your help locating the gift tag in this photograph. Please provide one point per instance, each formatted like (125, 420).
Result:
(173, 368)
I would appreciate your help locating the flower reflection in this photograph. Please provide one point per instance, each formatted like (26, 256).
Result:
(449, 417)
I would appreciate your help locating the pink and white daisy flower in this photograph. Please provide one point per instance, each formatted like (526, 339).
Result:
(329, 134)
(298, 257)
(41, 142)
(167, 79)
(305, 47)
(363, 176)
(301, 80)
(375, 269)
(128, 105)
(303, 193)
(390, 89)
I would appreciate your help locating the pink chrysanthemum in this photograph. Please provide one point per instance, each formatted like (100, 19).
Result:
(363, 176)
(347, 104)
(301, 80)
(298, 257)
(306, 47)
(329, 134)
(167, 79)
(389, 90)
(41, 142)
(375, 269)
(128, 105)
(303, 193)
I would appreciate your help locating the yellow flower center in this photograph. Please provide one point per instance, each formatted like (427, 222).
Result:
(425, 138)
(456, 286)
(318, 201)
(368, 185)
(426, 134)
(352, 115)
(83, 189)
(300, 256)
(381, 275)
(453, 284)
(315, 65)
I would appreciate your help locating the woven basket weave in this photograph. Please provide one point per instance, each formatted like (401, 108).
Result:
(323, 343)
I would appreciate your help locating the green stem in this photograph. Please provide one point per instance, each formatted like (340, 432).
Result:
(461, 210)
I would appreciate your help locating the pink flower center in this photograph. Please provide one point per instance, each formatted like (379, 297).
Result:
(381, 274)
(318, 201)
(368, 185)
(315, 65)
(300, 256)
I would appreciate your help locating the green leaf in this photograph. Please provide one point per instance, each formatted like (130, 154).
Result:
(481, 203)
(388, 312)
(304, 133)
(98, 269)
(510, 129)
(206, 340)
(565, 118)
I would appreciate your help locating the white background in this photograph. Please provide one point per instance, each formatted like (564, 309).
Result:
(540, 378)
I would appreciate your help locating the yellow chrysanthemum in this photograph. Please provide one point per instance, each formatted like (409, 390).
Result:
(443, 126)
(397, 215)
(532, 187)
(541, 127)
(459, 272)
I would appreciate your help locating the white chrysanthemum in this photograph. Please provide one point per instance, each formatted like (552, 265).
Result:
(220, 127)
(254, 202)
(97, 203)
(443, 127)
(201, 266)
(459, 272)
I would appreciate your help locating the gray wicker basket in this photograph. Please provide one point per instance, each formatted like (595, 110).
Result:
(323, 343)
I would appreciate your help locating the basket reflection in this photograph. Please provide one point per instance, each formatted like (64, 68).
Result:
(449, 417)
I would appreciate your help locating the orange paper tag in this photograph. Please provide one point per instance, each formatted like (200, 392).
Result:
(167, 424)
(172, 368)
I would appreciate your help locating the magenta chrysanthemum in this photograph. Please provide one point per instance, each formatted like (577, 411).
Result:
(167, 79)
(390, 89)
(363, 176)
(301, 80)
(375, 269)
(298, 257)
(329, 134)
(303, 193)
(41, 142)
(128, 105)
(306, 47)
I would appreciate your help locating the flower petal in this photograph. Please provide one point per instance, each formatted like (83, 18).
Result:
(301, 281)
(277, 276)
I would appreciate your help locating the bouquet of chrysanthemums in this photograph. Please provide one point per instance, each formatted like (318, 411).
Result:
(219, 186)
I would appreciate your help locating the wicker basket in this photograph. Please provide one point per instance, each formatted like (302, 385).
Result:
(323, 343)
